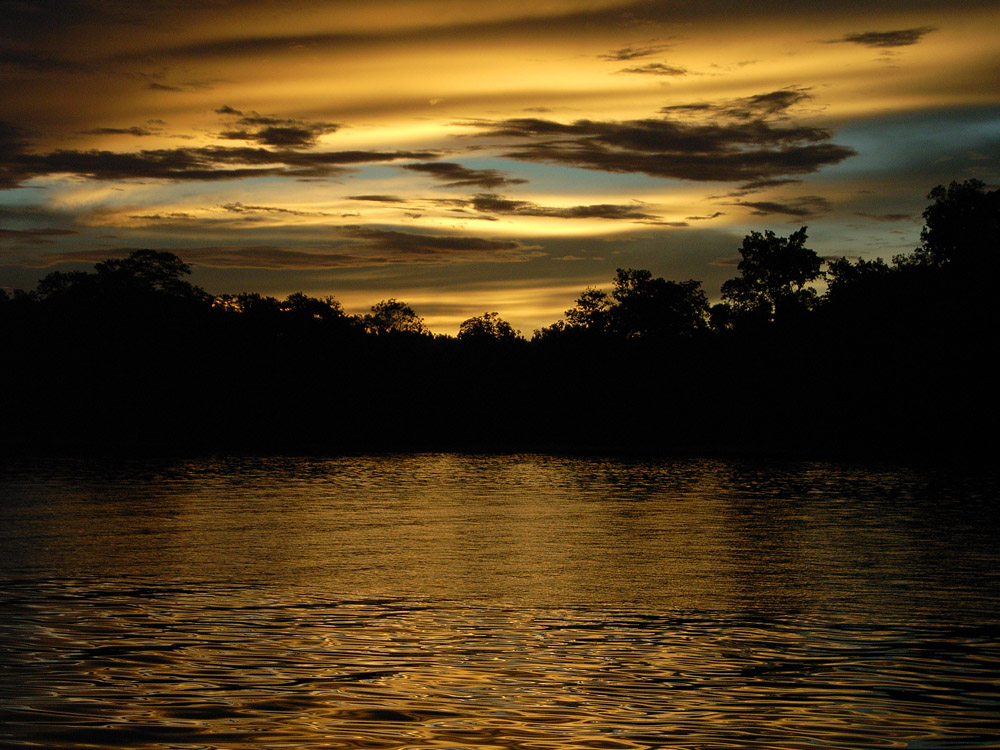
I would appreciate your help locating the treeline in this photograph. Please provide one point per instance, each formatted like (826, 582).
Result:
(802, 356)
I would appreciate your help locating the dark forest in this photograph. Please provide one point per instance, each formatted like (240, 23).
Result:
(803, 356)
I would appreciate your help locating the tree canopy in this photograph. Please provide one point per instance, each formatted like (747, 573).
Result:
(143, 274)
(962, 226)
(487, 327)
(393, 316)
(641, 306)
(774, 272)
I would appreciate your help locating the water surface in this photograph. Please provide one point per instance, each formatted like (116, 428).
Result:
(496, 601)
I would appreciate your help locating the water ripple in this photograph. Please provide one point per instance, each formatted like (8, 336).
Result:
(214, 666)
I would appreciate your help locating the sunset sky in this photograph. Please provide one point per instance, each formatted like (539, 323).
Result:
(468, 157)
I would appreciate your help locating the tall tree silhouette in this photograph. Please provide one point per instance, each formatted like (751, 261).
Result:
(393, 316)
(773, 276)
(962, 227)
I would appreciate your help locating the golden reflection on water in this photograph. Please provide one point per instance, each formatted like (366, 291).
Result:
(115, 666)
(689, 534)
(495, 602)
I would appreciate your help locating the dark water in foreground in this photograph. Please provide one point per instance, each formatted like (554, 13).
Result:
(443, 601)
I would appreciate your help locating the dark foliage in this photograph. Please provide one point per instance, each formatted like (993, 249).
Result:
(893, 358)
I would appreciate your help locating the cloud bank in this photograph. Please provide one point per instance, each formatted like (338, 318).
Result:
(741, 140)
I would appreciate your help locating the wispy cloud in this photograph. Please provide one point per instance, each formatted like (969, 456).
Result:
(136, 130)
(633, 53)
(806, 205)
(40, 61)
(209, 163)
(241, 208)
(655, 69)
(457, 176)
(275, 131)
(436, 247)
(222, 256)
(769, 105)
(34, 236)
(377, 198)
(883, 217)
(886, 39)
(496, 204)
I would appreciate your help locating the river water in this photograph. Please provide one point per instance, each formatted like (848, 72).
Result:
(525, 601)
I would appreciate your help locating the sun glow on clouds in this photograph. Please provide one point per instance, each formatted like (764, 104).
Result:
(477, 135)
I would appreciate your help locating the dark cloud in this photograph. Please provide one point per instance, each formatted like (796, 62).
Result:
(752, 187)
(770, 105)
(431, 247)
(13, 142)
(655, 69)
(13, 139)
(286, 137)
(491, 203)
(807, 205)
(34, 236)
(886, 39)
(173, 164)
(155, 86)
(275, 131)
(40, 62)
(377, 198)
(715, 215)
(270, 257)
(241, 208)
(170, 216)
(134, 130)
(455, 175)
(351, 157)
(633, 53)
(744, 149)
(210, 163)
(883, 217)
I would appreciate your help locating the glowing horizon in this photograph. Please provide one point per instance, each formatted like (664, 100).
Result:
(441, 152)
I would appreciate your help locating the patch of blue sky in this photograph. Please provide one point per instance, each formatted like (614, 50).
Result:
(23, 197)
(887, 144)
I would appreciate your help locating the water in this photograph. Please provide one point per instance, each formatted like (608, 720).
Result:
(442, 601)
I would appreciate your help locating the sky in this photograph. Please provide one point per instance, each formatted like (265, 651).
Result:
(467, 157)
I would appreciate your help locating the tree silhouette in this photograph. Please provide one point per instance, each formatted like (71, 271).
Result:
(962, 227)
(774, 272)
(648, 307)
(142, 277)
(153, 360)
(846, 281)
(393, 316)
(487, 327)
(306, 308)
(640, 306)
(148, 270)
(592, 311)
